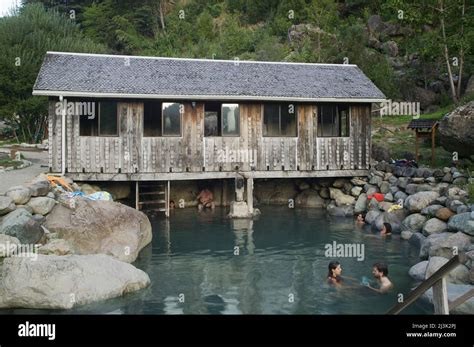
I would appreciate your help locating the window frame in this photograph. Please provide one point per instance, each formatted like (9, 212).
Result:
(163, 119)
(98, 102)
(161, 116)
(116, 118)
(279, 104)
(336, 106)
(222, 120)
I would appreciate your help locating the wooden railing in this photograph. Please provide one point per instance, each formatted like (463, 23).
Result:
(440, 292)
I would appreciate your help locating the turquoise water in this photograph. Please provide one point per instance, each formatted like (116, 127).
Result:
(201, 263)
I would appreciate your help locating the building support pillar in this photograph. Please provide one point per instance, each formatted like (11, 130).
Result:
(240, 208)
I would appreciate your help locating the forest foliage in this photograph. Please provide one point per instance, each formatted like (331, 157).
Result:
(324, 31)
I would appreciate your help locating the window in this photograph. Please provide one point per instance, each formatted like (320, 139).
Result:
(230, 120)
(279, 120)
(333, 121)
(212, 119)
(171, 112)
(152, 119)
(108, 118)
(221, 119)
(104, 122)
(89, 124)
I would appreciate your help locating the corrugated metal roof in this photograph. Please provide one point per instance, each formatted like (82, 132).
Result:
(75, 73)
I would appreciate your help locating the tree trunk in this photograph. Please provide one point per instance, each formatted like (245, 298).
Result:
(162, 17)
(461, 51)
(446, 53)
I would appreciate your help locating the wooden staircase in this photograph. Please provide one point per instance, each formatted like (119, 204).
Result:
(153, 196)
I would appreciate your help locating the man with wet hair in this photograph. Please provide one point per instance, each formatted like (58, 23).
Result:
(205, 200)
(380, 272)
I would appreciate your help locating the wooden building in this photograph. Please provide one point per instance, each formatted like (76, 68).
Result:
(128, 118)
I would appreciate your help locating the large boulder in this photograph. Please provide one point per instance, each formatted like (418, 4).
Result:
(339, 182)
(309, 198)
(41, 205)
(417, 240)
(340, 198)
(400, 196)
(444, 213)
(21, 224)
(40, 187)
(62, 282)
(8, 245)
(434, 226)
(406, 234)
(340, 211)
(456, 130)
(356, 191)
(101, 227)
(6, 205)
(448, 246)
(361, 203)
(324, 192)
(371, 216)
(418, 271)
(431, 210)
(414, 222)
(429, 241)
(56, 247)
(459, 274)
(418, 201)
(462, 222)
(119, 190)
(454, 292)
(19, 194)
(357, 181)
(274, 192)
(395, 219)
(424, 96)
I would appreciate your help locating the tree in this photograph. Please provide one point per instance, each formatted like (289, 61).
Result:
(25, 37)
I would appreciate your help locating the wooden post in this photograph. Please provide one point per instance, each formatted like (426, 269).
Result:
(137, 205)
(461, 299)
(440, 297)
(433, 134)
(416, 145)
(250, 194)
(167, 199)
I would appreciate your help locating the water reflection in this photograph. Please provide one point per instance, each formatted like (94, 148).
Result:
(280, 267)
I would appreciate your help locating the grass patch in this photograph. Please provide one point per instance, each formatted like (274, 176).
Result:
(9, 162)
(470, 190)
(8, 142)
(391, 133)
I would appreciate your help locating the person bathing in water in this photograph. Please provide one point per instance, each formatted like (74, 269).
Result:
(386, 229)
(205, 199)
(360, 219)
(380, 272)
(334, 273)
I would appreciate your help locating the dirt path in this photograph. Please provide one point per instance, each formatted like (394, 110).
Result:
(17, 177)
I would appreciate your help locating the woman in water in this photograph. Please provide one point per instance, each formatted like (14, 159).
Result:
(386, 229)
(334, 273)
(360, 219)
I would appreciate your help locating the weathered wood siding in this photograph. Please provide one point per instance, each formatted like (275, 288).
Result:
(131, 152)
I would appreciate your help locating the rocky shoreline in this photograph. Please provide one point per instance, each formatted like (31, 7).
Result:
(61, 250)
(428, 208)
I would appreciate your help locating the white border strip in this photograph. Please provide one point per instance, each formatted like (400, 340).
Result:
(199, 97)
